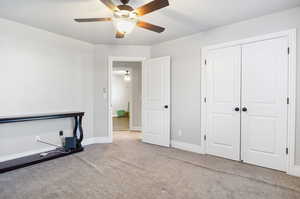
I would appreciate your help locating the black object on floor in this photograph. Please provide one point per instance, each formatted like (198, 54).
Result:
(37, 158)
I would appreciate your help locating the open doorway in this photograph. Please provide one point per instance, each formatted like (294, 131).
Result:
(153, 101)
(126, 96)
(120, 97)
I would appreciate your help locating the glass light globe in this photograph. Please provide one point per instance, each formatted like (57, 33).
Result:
(124, 21)
(127, 78)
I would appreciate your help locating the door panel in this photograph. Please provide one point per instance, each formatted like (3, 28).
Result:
(264, 94)
(156, 95)
(223, 96)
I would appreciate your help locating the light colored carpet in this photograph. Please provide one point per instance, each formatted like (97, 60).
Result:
(130, 169)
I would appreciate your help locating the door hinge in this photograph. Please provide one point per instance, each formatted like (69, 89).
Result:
(205, 62)
(204, 137)
(287, 151)
(288, 50)
(204, 99)
(288, 100)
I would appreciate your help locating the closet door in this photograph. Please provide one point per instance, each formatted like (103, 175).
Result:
(264, 103)
(223, 102)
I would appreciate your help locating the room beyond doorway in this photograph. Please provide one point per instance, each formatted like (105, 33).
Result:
(120, 123)
(125, 94)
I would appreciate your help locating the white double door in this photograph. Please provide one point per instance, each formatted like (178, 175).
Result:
(247, 102)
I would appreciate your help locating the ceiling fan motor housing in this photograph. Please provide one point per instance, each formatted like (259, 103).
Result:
(124, 1)
(125, 7)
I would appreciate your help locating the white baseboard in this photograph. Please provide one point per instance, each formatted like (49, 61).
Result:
(27, 153)
(88, 141)
(187, 147)
(294, 171)
(97, 140)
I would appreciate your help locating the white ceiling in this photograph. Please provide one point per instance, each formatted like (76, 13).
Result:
(181, 18)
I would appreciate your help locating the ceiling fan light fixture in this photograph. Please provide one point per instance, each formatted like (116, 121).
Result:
(127, 77)
(125, 18)
(124, 21)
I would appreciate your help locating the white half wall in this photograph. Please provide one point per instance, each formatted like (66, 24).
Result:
(42, 72)
(186, 59)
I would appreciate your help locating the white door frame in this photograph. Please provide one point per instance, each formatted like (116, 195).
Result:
(111, 59)
(292, 169)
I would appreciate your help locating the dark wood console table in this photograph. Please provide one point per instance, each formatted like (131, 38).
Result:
(37, 158)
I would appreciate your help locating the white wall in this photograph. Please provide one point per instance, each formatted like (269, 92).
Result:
(121, 91)
(136, 115)
(101, 80)
(186, 59)
(185, 87)
(42, 72)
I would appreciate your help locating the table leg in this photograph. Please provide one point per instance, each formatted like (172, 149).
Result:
(80, 133)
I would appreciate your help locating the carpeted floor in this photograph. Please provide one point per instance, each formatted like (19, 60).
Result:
(130, 169)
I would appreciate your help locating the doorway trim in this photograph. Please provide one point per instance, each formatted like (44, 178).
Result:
(111, 59)
(292, 169)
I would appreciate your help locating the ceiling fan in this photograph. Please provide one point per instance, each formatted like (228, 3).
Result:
(125, 18)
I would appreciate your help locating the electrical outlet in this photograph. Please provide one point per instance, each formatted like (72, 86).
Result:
(180, 132)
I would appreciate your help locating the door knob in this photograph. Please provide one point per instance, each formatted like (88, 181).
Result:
(166, 106)
(237, 109)
(244, 109)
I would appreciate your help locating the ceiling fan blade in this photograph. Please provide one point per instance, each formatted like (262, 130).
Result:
(120, 35)
(151, 27)
(92, 19)
(151, 7)
(109, 4)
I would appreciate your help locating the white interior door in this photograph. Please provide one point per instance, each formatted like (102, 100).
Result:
(156, 101)
(264, 95)
(223, 102)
